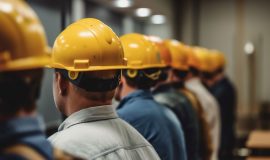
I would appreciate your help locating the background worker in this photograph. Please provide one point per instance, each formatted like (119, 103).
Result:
(208, 102)
(23, 54)
(224, 91)
(205, 148)
(167, 92)
(88, 58)
(156, 123)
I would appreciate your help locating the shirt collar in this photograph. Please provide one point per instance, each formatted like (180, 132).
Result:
(194, 80)
(138, 94)
(89, 115)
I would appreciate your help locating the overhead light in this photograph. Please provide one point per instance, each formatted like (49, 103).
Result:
(7, 7)
(249, 48)
(158, 19)
(122, 3)
(143, 12)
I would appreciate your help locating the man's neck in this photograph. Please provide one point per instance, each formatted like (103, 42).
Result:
(126, 90)
(83, 104)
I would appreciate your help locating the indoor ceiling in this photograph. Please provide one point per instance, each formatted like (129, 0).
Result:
(162, 7)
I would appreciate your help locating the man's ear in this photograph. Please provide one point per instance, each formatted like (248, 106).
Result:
(122, 80)
(61, 84)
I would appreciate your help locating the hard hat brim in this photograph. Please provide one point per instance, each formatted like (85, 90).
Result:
(25, 64)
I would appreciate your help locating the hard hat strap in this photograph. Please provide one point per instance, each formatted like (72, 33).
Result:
(153, 76)
(92, 84)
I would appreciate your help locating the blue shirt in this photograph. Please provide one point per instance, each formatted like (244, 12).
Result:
(26, 131)
(155, 122)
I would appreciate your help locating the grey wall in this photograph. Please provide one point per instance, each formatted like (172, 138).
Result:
(227, 25)
(112, 19)
(50, 18)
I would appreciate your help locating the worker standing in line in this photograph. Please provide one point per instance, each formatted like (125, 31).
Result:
(23, 54)
(206, 146)
(206, 99)
(224, 91)
(158, 124)
(167, 92)
(88, 57)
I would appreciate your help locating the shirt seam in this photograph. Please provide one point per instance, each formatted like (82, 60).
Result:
(107, 152)
(90, 121)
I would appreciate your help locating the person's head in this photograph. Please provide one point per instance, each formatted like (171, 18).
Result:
(179, 64)
(193, 61)
(144, 64)
(23, 54)
(209, 65)
(88, 58)
(216, 64)
(220, 61)
(166, 57)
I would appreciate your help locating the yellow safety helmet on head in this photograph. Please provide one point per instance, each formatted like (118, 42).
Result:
(193, 59)
(220, 57)
(179, 54)
(141, 52)
(202, 55)
(144, 59)
(163, 49)
(88, 45)
(23, 43)
(213, 61)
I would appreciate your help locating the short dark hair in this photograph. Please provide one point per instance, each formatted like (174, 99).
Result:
(141, 81)
(19, 91)
(107, 80)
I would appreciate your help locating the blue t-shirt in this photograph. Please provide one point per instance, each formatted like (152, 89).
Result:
(156, 123)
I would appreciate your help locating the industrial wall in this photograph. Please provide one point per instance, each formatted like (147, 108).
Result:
(228, 25)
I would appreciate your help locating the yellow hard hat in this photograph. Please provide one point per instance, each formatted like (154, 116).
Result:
(213, 61)
(179, 54)
(163, 49)
(220, 57)
(141, 52)
(88, 45)
(23, 44)
(193, 59)
(203, 58)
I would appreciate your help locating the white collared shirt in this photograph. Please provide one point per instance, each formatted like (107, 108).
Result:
(211, 109)
(97, 133)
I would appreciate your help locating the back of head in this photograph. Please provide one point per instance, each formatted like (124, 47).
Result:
(90, 56)
(144, 61)
(210, 62)
(163, 49)
(179, 63)
(220, 60)
(23, 52)
(165, 55)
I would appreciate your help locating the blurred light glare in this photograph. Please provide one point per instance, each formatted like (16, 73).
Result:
(143, 12)
(158, 19)
(133, 45)
(249, 48)
(122, 3)
(6, 7)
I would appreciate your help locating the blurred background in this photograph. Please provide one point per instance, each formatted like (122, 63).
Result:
(239, 28)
